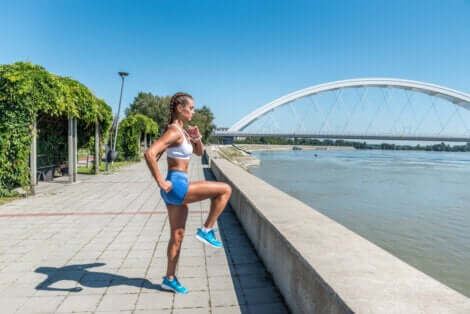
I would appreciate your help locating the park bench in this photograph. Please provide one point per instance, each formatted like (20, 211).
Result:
(46, 173)
(46, 170)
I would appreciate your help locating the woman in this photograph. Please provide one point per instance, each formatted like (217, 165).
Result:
(176, 190)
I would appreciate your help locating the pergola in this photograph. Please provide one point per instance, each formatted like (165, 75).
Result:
(72, 148)
(29, 92)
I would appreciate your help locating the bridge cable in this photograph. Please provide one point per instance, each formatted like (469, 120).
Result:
(463, 121)
(314, 106)
(275, 123)
(341, 99)
(309, 109)
(409, 98)
(262, 129)
(449, 119)
(331, 109)
(378, 110)
(353, 111)
(433, 99)
(394, 126)
(437, 114)
(297, 117)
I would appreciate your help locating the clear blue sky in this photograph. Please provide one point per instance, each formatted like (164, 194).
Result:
(235, 56)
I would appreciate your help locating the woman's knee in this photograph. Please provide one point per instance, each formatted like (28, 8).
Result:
(223, 190)
(177, 237)
(227, 189)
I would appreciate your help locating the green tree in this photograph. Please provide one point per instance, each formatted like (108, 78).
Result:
(152, 106)
(203, 119)
(130, 134)
(156, 108)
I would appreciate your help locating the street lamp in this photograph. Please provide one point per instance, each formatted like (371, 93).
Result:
(111, 154)
(122, 75)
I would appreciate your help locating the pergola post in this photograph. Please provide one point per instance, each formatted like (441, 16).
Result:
(70, 148)
(97, 157)
(75, 150)
(33, 157)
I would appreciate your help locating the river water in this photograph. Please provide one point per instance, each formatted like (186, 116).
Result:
(416, 205)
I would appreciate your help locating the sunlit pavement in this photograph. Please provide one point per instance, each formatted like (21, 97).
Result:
(99, 246)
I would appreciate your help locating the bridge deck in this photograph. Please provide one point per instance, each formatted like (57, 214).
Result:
(99, 246)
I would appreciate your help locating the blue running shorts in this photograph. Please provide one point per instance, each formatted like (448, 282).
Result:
(180, 183)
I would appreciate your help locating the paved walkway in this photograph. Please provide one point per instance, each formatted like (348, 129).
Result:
(99, 246)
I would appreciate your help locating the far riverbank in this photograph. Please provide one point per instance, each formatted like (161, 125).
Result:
(272, 147)
(240, 154)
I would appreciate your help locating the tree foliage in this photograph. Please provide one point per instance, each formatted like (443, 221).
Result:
(29, 92)
(130, 133)
(203, 119)
(156, 107)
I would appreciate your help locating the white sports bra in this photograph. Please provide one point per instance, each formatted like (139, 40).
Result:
(182, 151)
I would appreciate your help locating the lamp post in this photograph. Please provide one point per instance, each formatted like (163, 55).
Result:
(111, 154)
(122, 75)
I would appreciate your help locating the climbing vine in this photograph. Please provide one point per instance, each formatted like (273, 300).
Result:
(29, 93)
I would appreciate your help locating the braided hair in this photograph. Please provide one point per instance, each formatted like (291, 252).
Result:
(179, 98)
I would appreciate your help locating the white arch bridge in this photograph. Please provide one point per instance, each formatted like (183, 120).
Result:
(380, 108)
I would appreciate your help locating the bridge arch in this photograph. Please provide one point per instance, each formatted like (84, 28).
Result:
(456, 97)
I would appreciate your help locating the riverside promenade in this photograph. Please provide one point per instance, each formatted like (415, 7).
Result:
(99, 246)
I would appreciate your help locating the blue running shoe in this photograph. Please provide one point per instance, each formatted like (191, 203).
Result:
(208, 238)
(173, 285)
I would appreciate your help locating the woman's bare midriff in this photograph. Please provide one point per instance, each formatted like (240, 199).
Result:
(178, 164)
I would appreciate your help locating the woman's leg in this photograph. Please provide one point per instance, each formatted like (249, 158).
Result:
(218, 192)
(177, 216)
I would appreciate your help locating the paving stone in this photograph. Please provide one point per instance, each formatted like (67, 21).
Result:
(114, 312)
(41, 304)
(226, 298)
(191, 252)
(192, 300)
(114, 263)
(115, 303)
(152, 312)
(231, 310)
(80, 303)
(223, 283)
(192, 271)
(125, 286)
(17, 291)
(192, 311)
(194, 283)
(155, 301)
(195, 261)
(219, 270)
(11, 304)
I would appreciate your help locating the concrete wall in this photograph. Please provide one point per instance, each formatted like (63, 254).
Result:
(319, 265)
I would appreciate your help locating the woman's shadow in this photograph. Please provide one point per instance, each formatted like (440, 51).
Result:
(89, 279)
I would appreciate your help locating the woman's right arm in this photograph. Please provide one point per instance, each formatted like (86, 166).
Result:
(160, 145)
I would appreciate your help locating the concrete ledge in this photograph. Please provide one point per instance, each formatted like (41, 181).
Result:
(319, 265)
